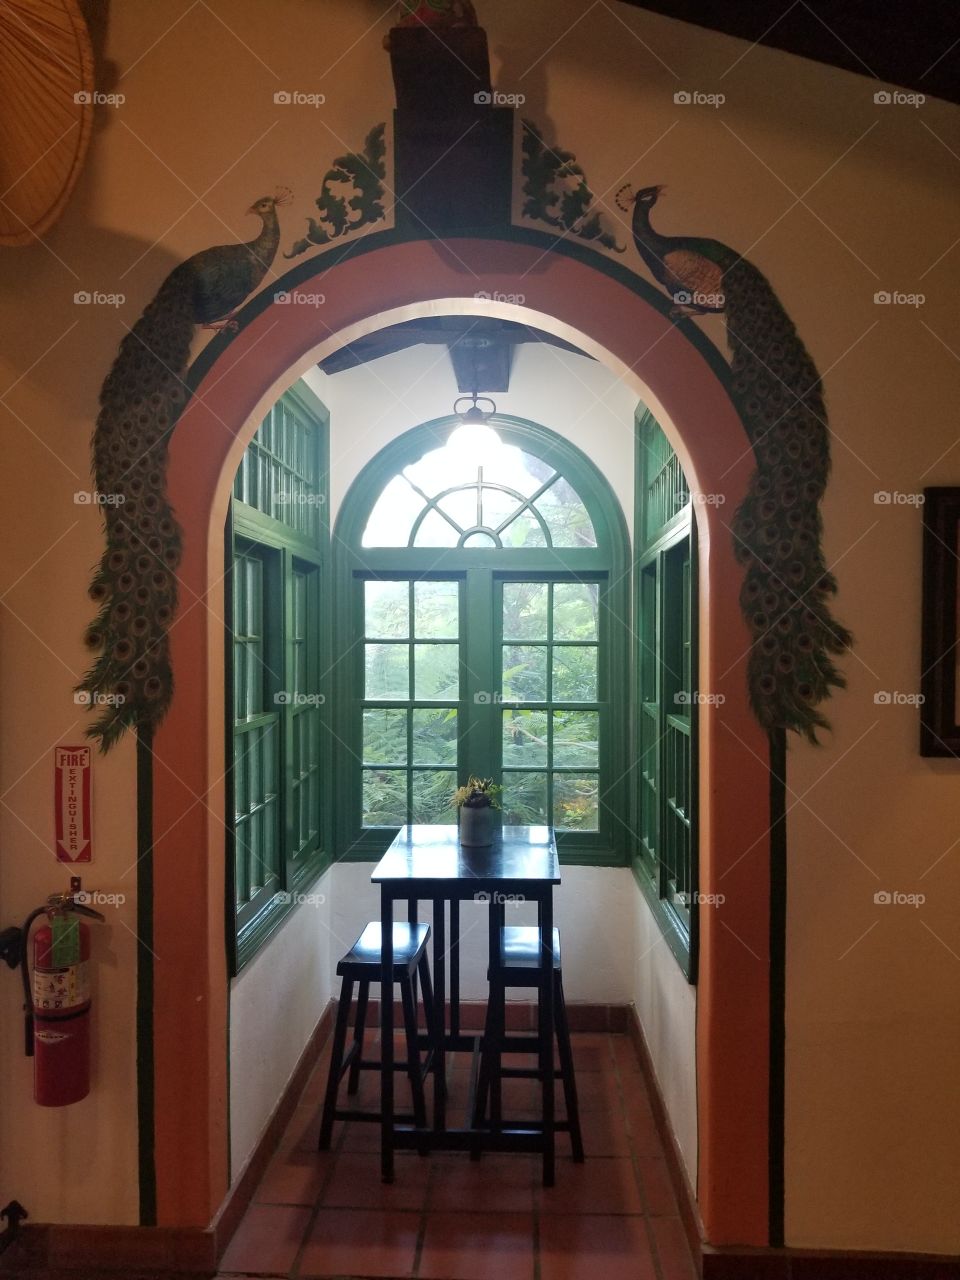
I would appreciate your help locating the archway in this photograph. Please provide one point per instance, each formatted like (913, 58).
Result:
(613, 316)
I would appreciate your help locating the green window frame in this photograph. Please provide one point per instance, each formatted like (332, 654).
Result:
(666, 791)
(277, 547)
(485, 705)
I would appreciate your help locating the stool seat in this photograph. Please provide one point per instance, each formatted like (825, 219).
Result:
(409, 941)
(520, 948)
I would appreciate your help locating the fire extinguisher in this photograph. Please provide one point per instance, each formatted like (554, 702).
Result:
(57, 998)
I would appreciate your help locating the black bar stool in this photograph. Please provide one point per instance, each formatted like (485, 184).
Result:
(361, 964)
(518, 965)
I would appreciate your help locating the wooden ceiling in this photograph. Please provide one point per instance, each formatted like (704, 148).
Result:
(915, 45)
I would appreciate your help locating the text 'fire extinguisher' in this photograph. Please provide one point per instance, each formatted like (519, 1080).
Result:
(57, 1000)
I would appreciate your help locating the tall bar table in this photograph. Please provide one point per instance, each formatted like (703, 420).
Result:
(429, 863)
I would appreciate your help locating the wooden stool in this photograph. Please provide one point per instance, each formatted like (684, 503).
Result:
(519, 966)
(362, 964)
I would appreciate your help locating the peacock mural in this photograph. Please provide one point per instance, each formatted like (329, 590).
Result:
(135, 584)
(778, 527)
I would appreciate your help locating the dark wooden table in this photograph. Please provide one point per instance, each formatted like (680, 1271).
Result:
(428, 863)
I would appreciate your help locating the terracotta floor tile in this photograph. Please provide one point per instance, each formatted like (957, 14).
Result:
(633, 1088)
(592, 1053)
(599, 1185)
(347, 1242)
(670, 1241)
(267, 1239)
(625, 1055)
(356, 1183)
(643, 1131)
(585, 1248)
(294, 1177)
(356, 1137)
(478, 1246)
(604, 1134)
(657, 1187)
(493, 1184)
(596, 1091)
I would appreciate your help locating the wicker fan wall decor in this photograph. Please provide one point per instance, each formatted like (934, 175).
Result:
(46, 74)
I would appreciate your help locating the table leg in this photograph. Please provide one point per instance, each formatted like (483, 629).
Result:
(440, 996)
(497, 996)
(386, 1035)
(546, 1034)
(412, 916)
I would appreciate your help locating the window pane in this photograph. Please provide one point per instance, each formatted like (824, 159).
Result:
(386, 610)
(524, 739)
(433, 796)
(390, 520)
(575, 802)
(480, 539)
(575, 607)
(524, 799)
(387, 668)
(461, 506)
(525, 531)
(566, 516)
(384, 798)
(498, 505)
(384, 736)
(437, 670)
(576, 738)
(437, 610)
(437, 532)
(525, 610)
(575, 673)
(524, 673)
(435, 735)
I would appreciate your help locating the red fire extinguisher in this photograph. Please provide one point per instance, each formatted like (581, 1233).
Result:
(57, 998)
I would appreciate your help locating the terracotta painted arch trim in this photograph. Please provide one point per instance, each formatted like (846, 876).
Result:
(613, 318)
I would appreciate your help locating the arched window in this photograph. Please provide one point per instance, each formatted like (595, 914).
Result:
(482, 629)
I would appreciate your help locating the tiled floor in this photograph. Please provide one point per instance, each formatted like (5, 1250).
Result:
(612, 1218)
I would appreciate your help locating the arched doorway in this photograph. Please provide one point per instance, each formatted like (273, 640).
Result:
(613, 316)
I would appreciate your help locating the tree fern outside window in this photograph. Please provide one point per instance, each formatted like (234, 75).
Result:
(482, 629)
(276, 545)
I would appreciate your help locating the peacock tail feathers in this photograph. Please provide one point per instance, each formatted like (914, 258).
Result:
(778, 527)
(134, 586)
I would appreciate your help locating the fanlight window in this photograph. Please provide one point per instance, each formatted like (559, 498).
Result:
(499, 496)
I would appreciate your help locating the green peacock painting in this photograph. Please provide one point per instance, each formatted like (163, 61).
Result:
(135, 584)
(778, 527)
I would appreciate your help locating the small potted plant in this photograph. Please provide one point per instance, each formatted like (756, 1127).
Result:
(475, 802)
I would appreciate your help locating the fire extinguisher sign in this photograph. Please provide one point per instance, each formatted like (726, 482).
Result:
(72, 803)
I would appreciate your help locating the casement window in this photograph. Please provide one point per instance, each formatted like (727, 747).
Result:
(666, 714)
(277, 539)
(482, 629)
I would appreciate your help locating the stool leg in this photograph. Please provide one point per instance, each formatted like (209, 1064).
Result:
(566, 1069)
(483, 1075)
(498, 1000)
(434, 1021)
(336, 1064)
(413, 1052)
(363, 993)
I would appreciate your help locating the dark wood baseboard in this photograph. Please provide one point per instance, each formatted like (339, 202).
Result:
(739, 1263)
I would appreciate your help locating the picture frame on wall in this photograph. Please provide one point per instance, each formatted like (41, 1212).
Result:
(940, 642)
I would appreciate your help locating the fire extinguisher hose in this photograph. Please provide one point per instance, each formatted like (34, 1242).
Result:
(25, 975)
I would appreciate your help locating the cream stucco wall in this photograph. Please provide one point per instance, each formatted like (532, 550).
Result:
(835, 198)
